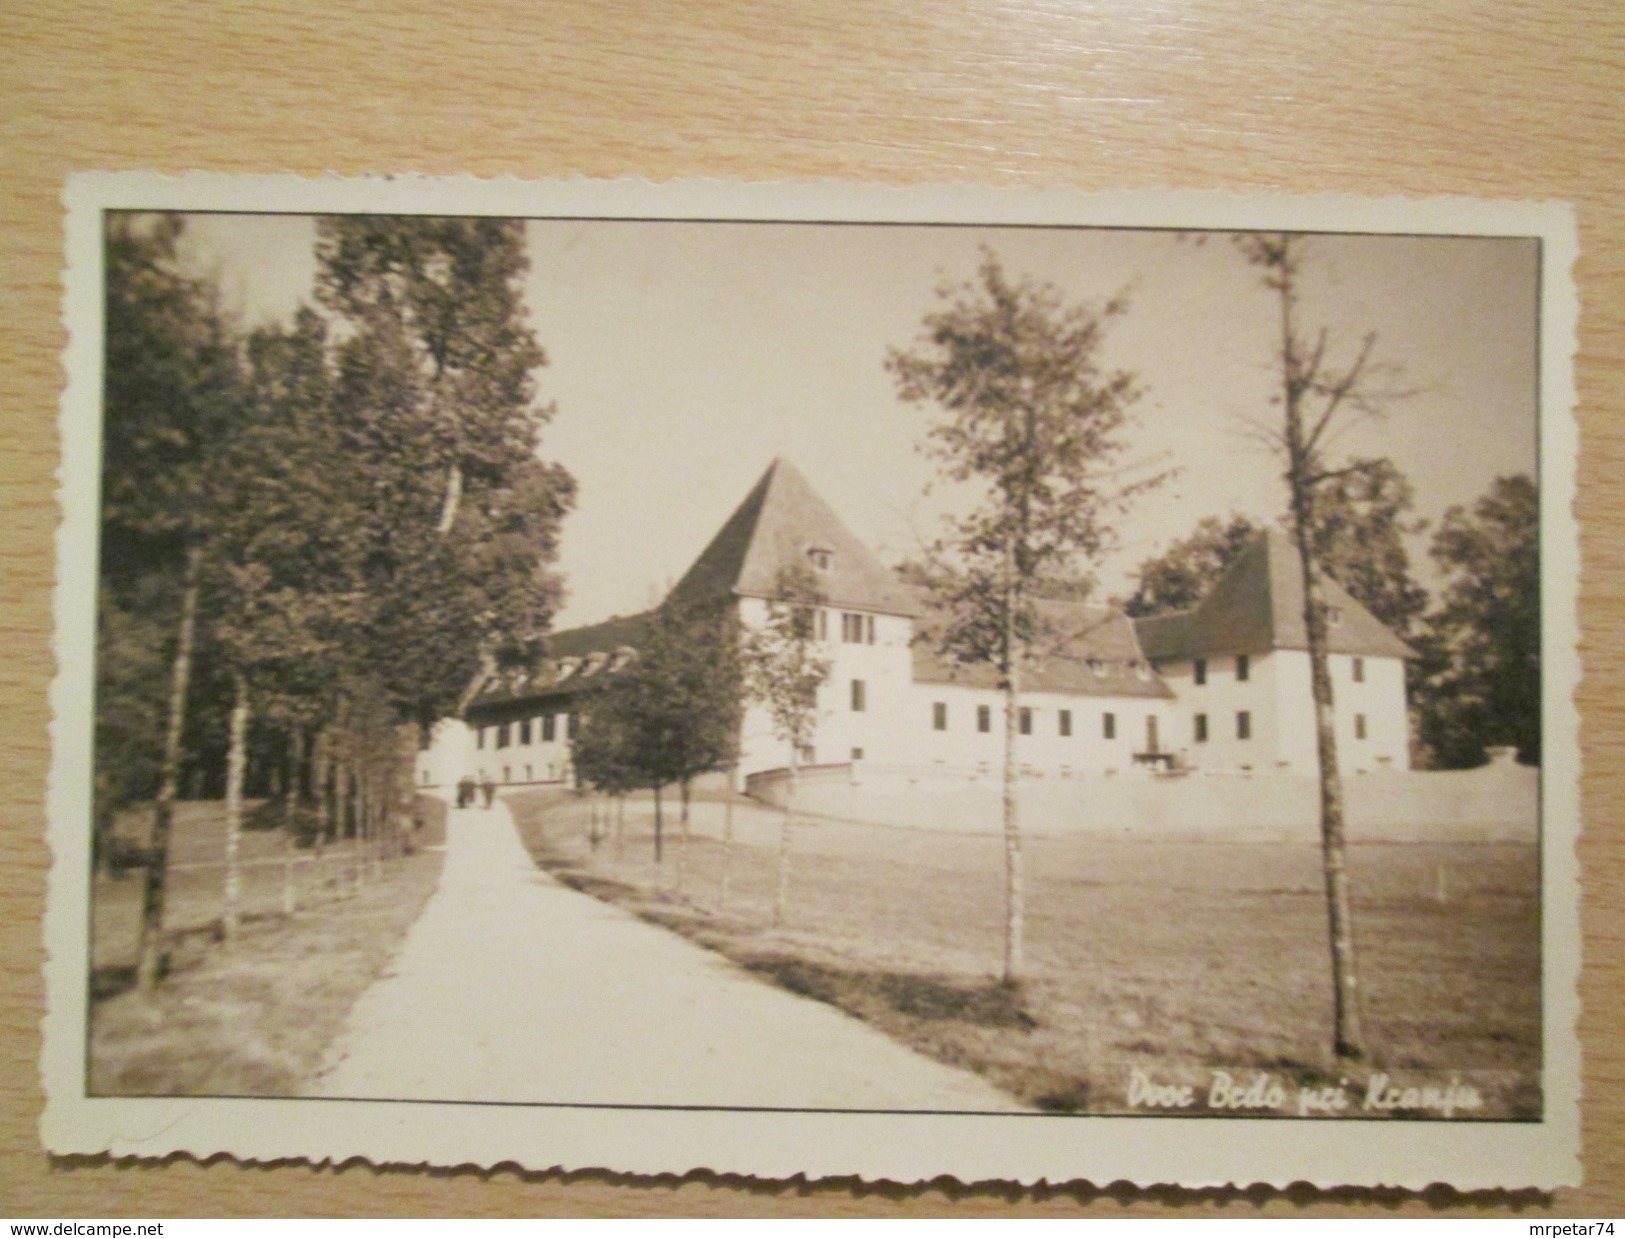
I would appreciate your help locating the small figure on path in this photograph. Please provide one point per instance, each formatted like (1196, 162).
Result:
(465, 791)
(489, 790)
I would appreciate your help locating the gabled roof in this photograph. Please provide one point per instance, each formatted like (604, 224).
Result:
(1094, 653)
(781, 520)
(1257, 605)
(576, 659)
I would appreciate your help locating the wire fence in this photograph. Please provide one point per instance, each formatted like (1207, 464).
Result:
(276, 876)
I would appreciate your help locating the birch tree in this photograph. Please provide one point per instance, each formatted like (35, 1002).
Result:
(1030, 419)
(171, 389)
(1319, 394)
(784, 668)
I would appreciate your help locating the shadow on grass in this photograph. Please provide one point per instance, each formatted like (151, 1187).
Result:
(918, 997)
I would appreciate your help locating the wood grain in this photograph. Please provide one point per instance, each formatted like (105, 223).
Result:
(1451, 97)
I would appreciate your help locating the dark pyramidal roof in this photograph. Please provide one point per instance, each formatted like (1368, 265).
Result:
(780, 523)
(1258, 605)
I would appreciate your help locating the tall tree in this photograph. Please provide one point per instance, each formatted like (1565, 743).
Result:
(784, 667)
(670, 716)
(171, 390)
(284, 568)
(1482, 685)
(437, 395)
(1028, 417)
(1318, 395)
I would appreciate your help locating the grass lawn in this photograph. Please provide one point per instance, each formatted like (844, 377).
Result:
(252, 1017)
(1169, 961)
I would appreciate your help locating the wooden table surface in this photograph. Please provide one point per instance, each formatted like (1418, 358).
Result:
(1372, 97)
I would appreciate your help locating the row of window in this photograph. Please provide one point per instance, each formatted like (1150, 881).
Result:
(1244, 726)
(856, 629)
(1244, 669)
(523, 732)
(1024, 720)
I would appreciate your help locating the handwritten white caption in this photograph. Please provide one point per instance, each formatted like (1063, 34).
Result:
(1262, 1092)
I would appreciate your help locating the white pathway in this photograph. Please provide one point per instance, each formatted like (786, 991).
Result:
(511, 987)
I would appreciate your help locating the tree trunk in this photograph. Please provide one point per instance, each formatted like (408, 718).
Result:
(290, 892)
(787, 828)
(454, 493)
(321, 772)
(1014, 890)
(727, 846)
(150, 962)
(292, 786)
(682, 837)
(1348, 1038)
(620, 825)
(236, 764)
(658, 828)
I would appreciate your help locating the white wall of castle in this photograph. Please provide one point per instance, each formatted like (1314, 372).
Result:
(1368, 696)
(898, 721)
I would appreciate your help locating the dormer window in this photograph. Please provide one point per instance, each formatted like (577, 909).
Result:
(821, 559)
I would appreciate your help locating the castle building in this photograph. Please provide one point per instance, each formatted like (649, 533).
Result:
(1221, 688)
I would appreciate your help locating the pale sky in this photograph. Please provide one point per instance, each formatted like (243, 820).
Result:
(684, 356)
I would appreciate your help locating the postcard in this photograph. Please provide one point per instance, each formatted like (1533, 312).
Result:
(817, 680)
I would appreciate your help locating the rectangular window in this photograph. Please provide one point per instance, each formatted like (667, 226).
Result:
(572, 724)
(1244, 668)
(1108, 726)
(869, 629)
(859, 696)
(939, 716)
(1200, 671)
(1359, 726)
(851, 628)
(1359, 670)
(1244, 724)
(821, 625)
(1201, 728)
(857, 754)
(524, 730)
(984, 718)
(1064, 722)
(504, 735)
(1024, 720)
(479, 741)
(549, 728)
(507, 774)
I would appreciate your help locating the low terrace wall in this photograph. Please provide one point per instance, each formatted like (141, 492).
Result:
(1499, 802)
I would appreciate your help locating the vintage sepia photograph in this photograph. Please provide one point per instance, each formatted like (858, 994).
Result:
(824, 666)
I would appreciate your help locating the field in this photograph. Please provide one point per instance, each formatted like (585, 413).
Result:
(254, 1016)
(1151, 964)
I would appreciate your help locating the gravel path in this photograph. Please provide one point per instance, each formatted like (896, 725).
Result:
(511, 987)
